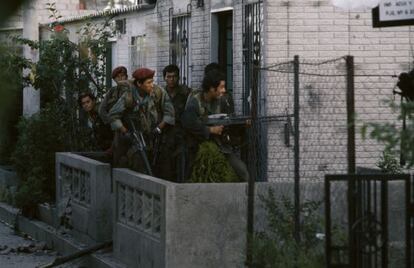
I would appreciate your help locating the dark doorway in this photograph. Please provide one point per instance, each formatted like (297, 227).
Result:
(222, 44)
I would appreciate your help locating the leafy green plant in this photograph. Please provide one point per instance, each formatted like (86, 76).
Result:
(388, 163)
(277, 246)
(395, 138)
(61, 73)
(211, 165)
(10, 100)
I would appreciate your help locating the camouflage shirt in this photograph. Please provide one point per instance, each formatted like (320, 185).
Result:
(111, 97)
(145, 111)
(196, 112)
(102, 132)
(179, 100)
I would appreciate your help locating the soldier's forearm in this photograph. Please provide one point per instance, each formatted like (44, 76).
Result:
(116, 124)
(168, 119)
(162, 125)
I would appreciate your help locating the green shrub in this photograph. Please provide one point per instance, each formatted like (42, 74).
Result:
(211, 165)
(395, 138)
(388, 163)
(10, 101)
(61, 73)
(277, 247)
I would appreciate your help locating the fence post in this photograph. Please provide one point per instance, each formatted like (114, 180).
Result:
(328, 221)
(252, 177)
(296, 148)
(350, 109)
(409, 217)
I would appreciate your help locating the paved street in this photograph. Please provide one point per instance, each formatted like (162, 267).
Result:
(19, 252)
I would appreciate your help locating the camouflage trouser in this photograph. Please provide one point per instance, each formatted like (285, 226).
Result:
(170, 158)
(238, 165)
(125, 154)
(119, 151)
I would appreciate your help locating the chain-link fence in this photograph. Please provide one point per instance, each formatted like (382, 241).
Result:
(305, 129)
(302, 129)
(320, 115)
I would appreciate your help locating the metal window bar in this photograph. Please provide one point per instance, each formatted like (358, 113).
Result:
(252, 44)
(253, 97)
(179, 30)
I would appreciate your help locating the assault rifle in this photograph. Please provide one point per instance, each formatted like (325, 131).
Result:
(240, 120)
(226, 120)
(139, 143)
(233, 126)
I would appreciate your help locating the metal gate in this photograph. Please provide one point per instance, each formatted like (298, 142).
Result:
(370, 225)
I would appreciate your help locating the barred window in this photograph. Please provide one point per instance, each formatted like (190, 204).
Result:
(180, 45)
(137, 52)
(252, 45)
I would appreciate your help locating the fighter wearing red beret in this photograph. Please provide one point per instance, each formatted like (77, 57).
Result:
(119, 74)
(143, 106)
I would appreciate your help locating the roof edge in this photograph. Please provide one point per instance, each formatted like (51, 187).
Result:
(103, 13)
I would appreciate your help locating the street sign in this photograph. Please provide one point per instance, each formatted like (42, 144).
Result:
(393, 13)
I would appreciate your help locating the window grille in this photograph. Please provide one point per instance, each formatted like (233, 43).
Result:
(252, 45)
(180, 44)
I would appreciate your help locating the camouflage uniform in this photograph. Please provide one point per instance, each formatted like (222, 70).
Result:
(227, 104)
(111, 97)
(102, 132)
(196, 113)
(146, 113)
(171, 156)
(179, 100)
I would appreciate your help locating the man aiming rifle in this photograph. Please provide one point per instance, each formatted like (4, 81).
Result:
(201, 105)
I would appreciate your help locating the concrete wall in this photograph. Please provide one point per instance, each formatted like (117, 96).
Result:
(83, 196)
(163, 224)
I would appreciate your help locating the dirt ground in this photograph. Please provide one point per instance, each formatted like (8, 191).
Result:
(20, 252)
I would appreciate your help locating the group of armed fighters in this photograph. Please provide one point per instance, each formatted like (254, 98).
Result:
(156, 130)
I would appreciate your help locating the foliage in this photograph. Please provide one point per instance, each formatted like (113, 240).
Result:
(6, 195)
(277, 247)
(61, 73)
(388, 163)
(211, 165)
(396, 138)
(10, 78)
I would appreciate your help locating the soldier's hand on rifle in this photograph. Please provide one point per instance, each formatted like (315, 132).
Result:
(217, 130)
(157, 131)
(123, 130)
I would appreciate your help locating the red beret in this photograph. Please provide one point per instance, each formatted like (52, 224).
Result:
(119, 70)
(143, 73)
